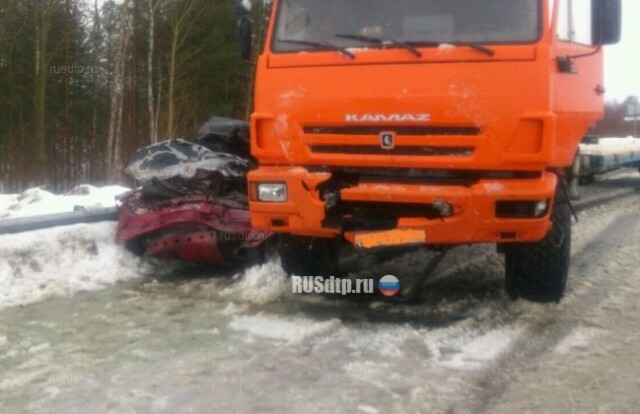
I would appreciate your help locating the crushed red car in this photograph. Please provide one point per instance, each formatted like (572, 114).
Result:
(192, 204)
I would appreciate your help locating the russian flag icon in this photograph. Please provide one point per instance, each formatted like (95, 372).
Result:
(389, 285)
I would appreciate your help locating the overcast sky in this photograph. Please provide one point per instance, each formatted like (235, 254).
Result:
(622, 61)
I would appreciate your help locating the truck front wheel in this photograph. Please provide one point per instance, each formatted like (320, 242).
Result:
(538, 271)
(306, 256)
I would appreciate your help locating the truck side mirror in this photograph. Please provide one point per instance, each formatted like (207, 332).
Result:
(245, 31)
(606, 21)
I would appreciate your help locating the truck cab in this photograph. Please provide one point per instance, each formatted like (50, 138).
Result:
(438, 123)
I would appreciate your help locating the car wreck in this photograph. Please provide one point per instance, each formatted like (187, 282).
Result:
(192, 203)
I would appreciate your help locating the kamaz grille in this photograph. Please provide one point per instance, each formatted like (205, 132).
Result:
(405, 150)
(354, 135)
(399, 130)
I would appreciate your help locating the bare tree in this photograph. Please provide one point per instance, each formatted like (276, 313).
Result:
(182, 21)
(95, 44)
(39, 161)
(60, 125)
(114, 139)
(153, 125)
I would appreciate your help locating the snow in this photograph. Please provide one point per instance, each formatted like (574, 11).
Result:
(446, 46)
(367, 409)
(37, 201)
(61, 261)
(482, 349)
(37, 265)
(245, 343)
(494, 188)
(388, 343)
(259, 284)
(289, 98)
(290, 330)
(6, 200)
(580, 339)
(595, 367)
(36, 349)
(357, 50)
(611, 146)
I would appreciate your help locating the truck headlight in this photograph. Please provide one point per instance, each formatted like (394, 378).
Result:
(272, 192)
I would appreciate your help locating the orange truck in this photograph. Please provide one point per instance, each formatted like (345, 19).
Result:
(393, 124)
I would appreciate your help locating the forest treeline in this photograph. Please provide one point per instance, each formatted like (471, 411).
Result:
(83, 83)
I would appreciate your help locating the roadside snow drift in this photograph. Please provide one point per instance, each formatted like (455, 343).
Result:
(63, 260)
(37, 201)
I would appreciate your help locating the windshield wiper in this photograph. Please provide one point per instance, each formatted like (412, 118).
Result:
(320, 45)
(381, 41)
(476, 46)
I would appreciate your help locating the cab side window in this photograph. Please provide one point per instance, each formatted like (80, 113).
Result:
(574, 21)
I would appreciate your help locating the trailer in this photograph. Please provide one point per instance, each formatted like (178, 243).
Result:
(602, 155)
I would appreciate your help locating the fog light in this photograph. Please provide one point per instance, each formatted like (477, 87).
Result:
(272, 193)
(522, 209)
(541, 208)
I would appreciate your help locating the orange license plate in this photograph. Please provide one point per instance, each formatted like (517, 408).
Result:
(398, 237)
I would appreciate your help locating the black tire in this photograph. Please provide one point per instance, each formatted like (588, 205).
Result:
(306, 256)
(538, 271)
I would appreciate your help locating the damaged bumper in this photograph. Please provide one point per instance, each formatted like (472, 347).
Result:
(447, 208)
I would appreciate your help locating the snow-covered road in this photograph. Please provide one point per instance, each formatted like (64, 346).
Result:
(178, 340)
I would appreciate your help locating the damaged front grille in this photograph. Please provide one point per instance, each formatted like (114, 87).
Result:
(423, 176)
(349, 215)
(361, 215)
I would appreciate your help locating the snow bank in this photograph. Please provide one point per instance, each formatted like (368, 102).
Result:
(6, 200)
(61, 261)
(611, 146)
(37, 201)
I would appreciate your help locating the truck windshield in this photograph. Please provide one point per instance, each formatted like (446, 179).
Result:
(400, 23)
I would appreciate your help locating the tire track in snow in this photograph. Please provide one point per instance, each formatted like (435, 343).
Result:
(620, 186)
(545, 333)
(601, 201)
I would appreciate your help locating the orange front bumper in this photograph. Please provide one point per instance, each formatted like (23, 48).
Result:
(474, 207)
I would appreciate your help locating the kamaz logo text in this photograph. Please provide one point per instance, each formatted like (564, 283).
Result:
(388, 118)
